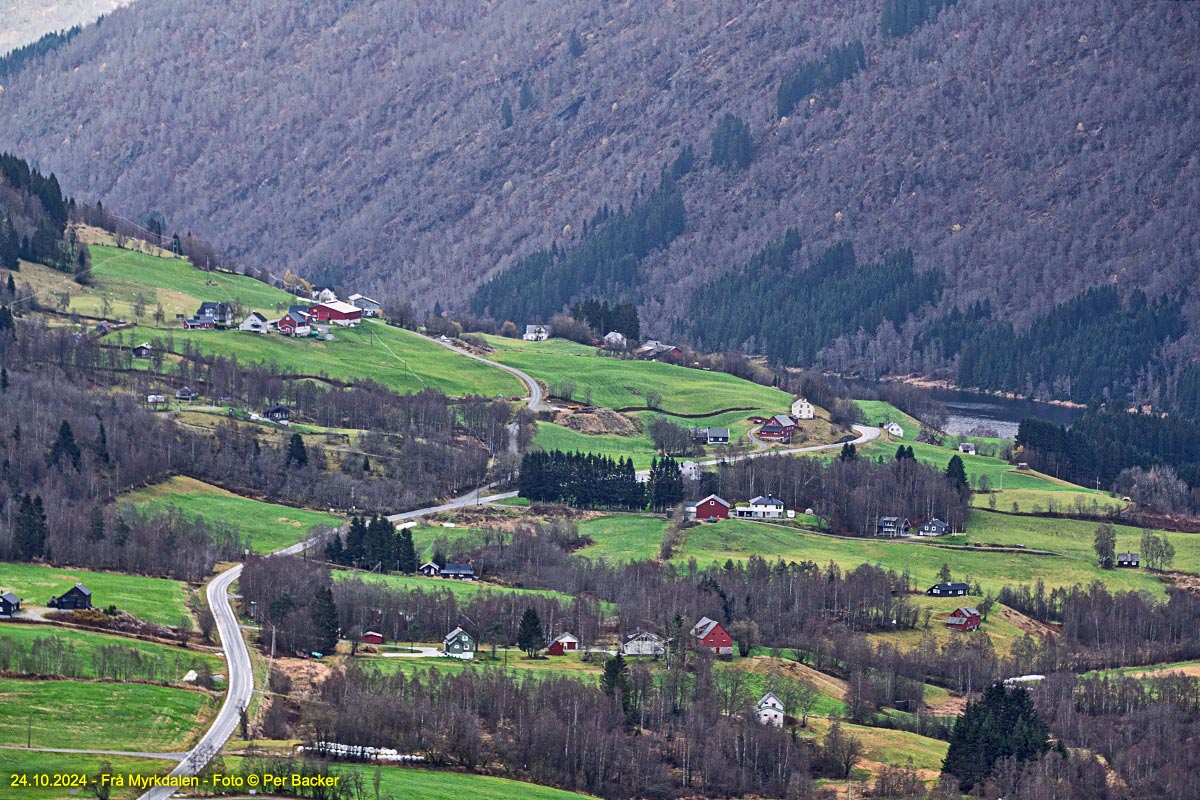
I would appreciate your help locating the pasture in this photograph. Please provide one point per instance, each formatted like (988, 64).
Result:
(123, 716)
(620, 383)
(153, 599)
(403, 361)
(270, 527)
(460, 589)
(23, 762)
(85, 645)
(623, 537)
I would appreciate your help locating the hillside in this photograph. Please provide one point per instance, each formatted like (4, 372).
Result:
(382, 157)
(27, 20)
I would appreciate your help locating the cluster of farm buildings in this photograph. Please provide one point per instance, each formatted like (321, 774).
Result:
(301, 319)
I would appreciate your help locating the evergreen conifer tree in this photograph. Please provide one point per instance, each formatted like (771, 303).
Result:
(297, 453)
(406, 553)
(525, 98)
(506, 115)
(530, 637)
(64, 447)
(96, 525)
(323, 613)
(956, 473)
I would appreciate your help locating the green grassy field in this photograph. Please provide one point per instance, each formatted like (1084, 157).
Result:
(623, 537)
(884, 746)
(459, 588)
(683, 390)
(556, 666)
(738, 539)
(86, 643)
(154, 599)
(1069, 536)
(404, 783)
(50, 764)
(401, 360)
(123, 716)
(879, 413)
(270, 527)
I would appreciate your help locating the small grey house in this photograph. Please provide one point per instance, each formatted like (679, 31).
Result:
(643, 643)
(143, 350)
(187, 394)
(1130, 560)
(459, 644)
(254, 323)
(429, 569)
(934, 527)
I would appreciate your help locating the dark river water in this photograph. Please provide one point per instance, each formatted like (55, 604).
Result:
(967, 410)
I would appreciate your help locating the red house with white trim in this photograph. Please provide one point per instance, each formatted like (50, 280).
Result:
(709, 637)
(337, 312)
(711, 507)
(778, 428)
(966, 618)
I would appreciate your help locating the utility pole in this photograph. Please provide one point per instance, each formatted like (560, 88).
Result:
(29, 734)
(271, 663)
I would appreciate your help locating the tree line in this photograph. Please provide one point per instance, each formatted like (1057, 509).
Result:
(605, 261)
(1101, 444)
(797, 312)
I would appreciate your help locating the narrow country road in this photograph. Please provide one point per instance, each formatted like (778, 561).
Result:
(122, 753)
(237, 695)
(241, 676)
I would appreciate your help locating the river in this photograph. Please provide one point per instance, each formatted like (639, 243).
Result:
(967, 410)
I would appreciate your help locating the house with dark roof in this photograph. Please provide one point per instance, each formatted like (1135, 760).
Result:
(143, 350)
(1130, 560)
(187, 394)
(278, 413)
(458, 572)
(710, 435)
(762, 507)
(934, 527)
(948, 590)
(78, 597)
(654, 349)
(892, 527)
(9, 604)
(295, 323)
(211, 315)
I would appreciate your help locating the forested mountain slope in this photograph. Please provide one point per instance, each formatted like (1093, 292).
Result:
(1026, 151)
(25, 21)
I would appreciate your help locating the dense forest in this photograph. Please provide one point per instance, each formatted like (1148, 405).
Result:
(790, 315)
(1118, 448)
(33, 219)
(479, 139)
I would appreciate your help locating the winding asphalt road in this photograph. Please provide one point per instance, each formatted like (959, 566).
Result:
(241, 676)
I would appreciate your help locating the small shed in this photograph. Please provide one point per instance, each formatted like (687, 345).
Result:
(967, 447)
(564, 643)
(372, 637)
(143, 350)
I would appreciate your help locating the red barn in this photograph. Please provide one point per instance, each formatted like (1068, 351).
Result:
(372, 637)
(336, 311)
(565, 643)
(709, 637)
(712, 507)
(966, 618)
(778, 428)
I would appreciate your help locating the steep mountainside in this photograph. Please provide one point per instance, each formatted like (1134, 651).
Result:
(1027, 151)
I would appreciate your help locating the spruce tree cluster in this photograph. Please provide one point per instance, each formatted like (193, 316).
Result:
(732, 149)
(1001, 724)
(373, 543)
(583, 480)
(819, 75)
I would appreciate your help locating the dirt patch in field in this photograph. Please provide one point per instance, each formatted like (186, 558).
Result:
(1191, 670)
(947, 706)
(306, 674)
(1026, 624)
(826, 684)
(597, 421)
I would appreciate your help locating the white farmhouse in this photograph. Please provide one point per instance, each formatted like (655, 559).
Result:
(536, 333)
(254, 323)
(769, 710)
(802, 409)
(762, 507)
(894, 429)
(615, 340)
(690, 470)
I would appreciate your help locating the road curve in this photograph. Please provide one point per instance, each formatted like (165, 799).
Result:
(240, 686)
(535, 389)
